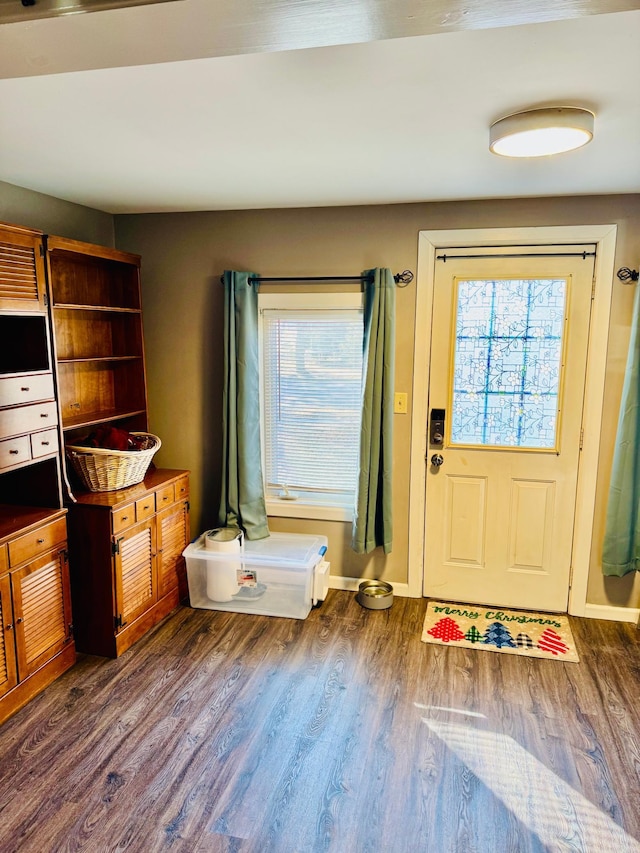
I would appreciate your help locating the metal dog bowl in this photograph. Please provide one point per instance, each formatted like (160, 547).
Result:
(375, 595)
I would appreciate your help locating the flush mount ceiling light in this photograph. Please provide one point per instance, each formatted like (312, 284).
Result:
(537, 133)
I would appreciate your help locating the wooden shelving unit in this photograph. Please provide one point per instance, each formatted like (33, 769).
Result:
(98, 337)
(36, 641)
(127, 569)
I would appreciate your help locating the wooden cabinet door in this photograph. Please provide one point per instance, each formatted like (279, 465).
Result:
(21, 270)
(41, 609)
(135, 572)
(8, 670)
(172, 532)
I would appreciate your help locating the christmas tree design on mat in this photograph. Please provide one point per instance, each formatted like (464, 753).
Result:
(524, 641)
(446, 630)
(497, 635)
(551, 642)
(473, 635)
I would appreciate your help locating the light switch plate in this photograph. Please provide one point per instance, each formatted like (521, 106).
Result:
(400, 403)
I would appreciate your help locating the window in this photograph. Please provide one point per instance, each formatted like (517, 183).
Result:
(311, 384)
(507, 362)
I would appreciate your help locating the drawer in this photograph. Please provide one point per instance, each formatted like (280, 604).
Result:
(31, 544)
(181, 489)
(44, 443)
(164, 497)
(146, 507)
(26, 389)
(123, 517)
(4, 559)
(28, 419)
(14, 450)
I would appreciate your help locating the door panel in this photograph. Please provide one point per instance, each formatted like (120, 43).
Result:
(530, 524)
(508, 361)
(135, 568)
(466, 519)
(42, 610)
(8, 669)
(173, 538)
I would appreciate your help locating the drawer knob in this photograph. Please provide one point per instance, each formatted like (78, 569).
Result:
(44, 443)
(9, 627)
(44, 414)
(19, 620)
(125, 518)
(39, 541)
(26, 388)
(14, 452)
(145, 507)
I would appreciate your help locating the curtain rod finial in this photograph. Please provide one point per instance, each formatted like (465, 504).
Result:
(625, 274)
(402, 279)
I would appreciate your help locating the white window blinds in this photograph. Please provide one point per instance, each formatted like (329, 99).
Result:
(312, 377)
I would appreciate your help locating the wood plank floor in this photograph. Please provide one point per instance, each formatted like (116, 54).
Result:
(340, 733)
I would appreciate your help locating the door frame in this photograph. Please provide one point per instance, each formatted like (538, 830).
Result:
(429, 242)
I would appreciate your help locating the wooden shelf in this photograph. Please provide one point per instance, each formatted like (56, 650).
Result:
(100, 358)
(154, 478)
(92, 418)
(23, 518)
(18, 374)
(113, 309)
(74, 249)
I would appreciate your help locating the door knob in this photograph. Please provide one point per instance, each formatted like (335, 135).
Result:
(437, 459)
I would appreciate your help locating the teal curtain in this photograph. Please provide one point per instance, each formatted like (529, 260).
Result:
(242, 496)
(621, 547)
(372, 524)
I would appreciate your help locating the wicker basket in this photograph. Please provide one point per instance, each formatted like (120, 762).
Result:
(103, 470)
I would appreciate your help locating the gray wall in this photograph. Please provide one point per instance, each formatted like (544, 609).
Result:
(19, 206)
(183, 256)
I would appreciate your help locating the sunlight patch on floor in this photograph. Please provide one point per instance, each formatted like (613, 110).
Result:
(560, 816)
(461, 711)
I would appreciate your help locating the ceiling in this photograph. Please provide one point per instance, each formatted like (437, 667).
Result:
(313, 103)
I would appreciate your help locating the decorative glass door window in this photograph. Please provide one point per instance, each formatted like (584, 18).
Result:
(508, 354)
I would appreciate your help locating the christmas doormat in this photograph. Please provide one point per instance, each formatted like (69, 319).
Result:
(540, 635)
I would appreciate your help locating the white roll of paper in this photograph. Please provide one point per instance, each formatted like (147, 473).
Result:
(225, 539)
(222, 575)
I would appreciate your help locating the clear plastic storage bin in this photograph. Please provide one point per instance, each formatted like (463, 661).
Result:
(278, 576)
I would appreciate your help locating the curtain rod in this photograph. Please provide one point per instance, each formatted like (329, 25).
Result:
(583, 255)
(402, 279)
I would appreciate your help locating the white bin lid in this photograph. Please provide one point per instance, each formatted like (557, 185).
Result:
(286, 548)
(283, 550)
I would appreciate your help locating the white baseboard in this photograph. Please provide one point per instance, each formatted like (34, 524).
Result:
(352, 584)
(591, 611)
(614, 614)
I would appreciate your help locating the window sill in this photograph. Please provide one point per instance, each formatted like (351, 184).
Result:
(298, 509)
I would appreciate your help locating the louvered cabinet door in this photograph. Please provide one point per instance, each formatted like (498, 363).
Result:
(173, 537)
(8, 671)
(21, 270)
(42, 610)
(135, 572)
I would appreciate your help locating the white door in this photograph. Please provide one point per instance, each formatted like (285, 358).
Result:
(508, 363)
